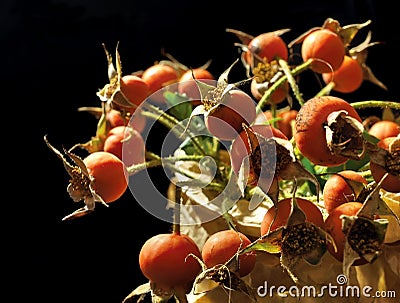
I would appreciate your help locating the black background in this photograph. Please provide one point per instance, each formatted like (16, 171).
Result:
(53, 62)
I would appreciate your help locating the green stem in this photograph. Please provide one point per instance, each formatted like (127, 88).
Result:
(326, 90)
(295, 88)
(376, 103)
(158, 161)
(169, 162)
(274, 115)
(171, 123)
(265, 98)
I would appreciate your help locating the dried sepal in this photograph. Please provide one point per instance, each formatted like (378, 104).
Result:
(255, 59)
(95, 111)
(388, 159)
(247, 219)
(346, 32)
(365, 235)
(360, 53)
(375, 205)
(111, 93)
(96, 143)
(212, 96)
(364, 239)
(114, 76)
(296, 242)
(289, 168)
(270, 159)
(301, 240)
(81, 184)
(344, 135)
(221, 276)
(365, 232)
(244, 176)
(141, 291)
(270, 242)
(392, 200)
(157, 294)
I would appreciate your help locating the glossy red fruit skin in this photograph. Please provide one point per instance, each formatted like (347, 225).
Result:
(284, 122)
(347, 78)
(164, 260)
(384, 128)
(222, 245)
(337, 191)
(109, 173)
(157, 77)
(310, 135)
(333, 226)
(267, 46)
(323, 45)
(311, 210)
(135, 89)
(127, 144)
(225, 122)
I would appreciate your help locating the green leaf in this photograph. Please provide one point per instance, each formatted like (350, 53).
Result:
(181, 107)
(270, 242)
(370, 138)
(205, 141)
(351, 164)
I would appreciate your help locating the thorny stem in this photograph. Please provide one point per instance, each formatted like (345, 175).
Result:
(158, 161)
(295, 71)
(169, 162)
(376, 103)
(283, 64)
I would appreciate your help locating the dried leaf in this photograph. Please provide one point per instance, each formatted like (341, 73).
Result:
(348, 32)
(369, 76)
(243, 37)
(293, 169)
(375, 205)
(270, 242)
(248, 220)
(81, 185)
(244, 175)
(221, 276)
(141, 291)
(93, 110)
(392, 200)
(301, 38)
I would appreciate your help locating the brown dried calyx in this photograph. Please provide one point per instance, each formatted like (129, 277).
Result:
(274, 157)
(363, 237)
(344, 135)
(388, 158)
(301, 239)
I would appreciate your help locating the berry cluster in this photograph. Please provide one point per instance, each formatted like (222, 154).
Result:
(265, 184)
